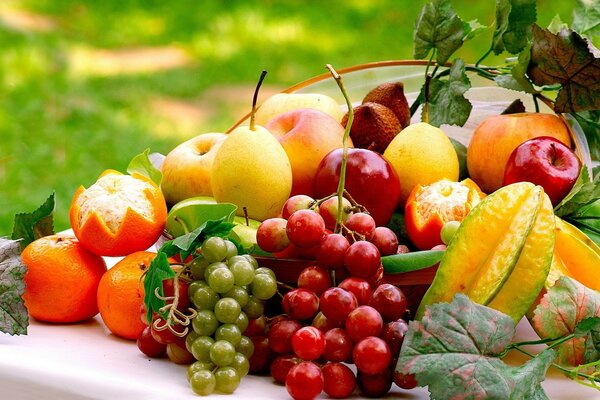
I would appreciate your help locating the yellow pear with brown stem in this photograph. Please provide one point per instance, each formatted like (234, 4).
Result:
(252, 171)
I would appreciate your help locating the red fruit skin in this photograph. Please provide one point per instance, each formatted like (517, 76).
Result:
(331, 250)
(305, 228)
(304, 381)
(262, 355)
(363, 321)
(280, 335)
(389, 301)
(324, 324)
(393, 334)
(367, 264)
(359, 287)
(375, 385)
(338, 345)
(336, 303)
(371, 355)
(308, 343)
(271, 235)
(544, 161)
(314, 278)
(370, 179)
(386, 240)
(281, 365)
(300, 304)
(405, 381)
(339, 380)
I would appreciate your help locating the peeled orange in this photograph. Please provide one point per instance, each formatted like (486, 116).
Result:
(119, 214)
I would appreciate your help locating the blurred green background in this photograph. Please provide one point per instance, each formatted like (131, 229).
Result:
(85, 86)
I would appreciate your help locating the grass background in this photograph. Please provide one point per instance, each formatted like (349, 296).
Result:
(85, 86)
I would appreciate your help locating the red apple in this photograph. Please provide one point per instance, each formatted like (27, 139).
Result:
(306, 135)
(370, 179)
(544, 161)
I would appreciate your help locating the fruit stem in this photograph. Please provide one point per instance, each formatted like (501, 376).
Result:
(425, 112)
(255, 98)
(342, 182)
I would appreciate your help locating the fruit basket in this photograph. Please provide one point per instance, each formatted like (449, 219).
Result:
(487, 99)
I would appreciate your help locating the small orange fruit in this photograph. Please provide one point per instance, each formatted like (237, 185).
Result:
(119, 214)
(61, 280)
(121, 295)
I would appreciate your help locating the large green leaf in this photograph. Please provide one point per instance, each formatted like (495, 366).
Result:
(31, 226)
(447, 102)
(13, 314)
(513, 25)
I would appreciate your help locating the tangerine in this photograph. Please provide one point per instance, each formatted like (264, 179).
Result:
(62, 279)
(119, 214)
(121, 295)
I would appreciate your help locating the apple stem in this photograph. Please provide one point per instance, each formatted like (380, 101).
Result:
(255, 98)
(342, 182)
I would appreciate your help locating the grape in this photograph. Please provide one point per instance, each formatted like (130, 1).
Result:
(251, 259)
(375, 385)
(246, 346)
(371, 355)
(315, 279)
(331, 251)
(305, 228)
(231, 249)
(448, 231)
(243, 271)
(242, 321)
(321, 322)
(359, 288)
(239, 294)
(263, 286)
(405, 381)
(256, 326)
(300, 304)
(201, 348)
(363, 224)
(212, 267)
(189, 339)
(389, 301)
(198, 266)
(241, 364)
(178, 354)
(281, 365)
(182, 291)
(329, 210)
(230, 333)
(271, 235)
(221, 280)
(205, 323)
(280, 335)
(254, 308)
(338, 345)
(261, 356)
(227, 379)
(227, 310)
(222, 353)
(267, 271)
(150, 346)
(214, 249)
(362, 259)
(338, 380)
(304, 381)
(393, 334)
(363, 321)
(204, 298)
(308, 343)
(199, 366)
(336, 303)
(386, 241)
(203, 382)
(295, 203)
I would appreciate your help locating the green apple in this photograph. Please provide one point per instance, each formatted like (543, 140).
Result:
(283, 102)
(186, 168)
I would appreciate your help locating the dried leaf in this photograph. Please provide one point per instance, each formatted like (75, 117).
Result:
(455, 349)
(515, 107)
(560, 312)
(439, 28)
(447, 102)
(568, 59)
(13, 314)
(31, 226)
(513, 25)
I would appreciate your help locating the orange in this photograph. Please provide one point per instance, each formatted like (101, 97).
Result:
(61, 280)
(121, 295)
(119, 214)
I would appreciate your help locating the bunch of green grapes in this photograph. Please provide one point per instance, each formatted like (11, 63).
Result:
(228, 290)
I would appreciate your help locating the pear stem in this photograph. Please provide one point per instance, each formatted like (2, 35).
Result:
(342, 182)
(255, 98)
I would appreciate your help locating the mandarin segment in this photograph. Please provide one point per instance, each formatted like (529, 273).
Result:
(119, 214)
(62, 279)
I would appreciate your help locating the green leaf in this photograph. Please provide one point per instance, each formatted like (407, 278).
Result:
(560, 312)
(189, 214)
(584, 192)
(187, 244)
(590, 123)
(447, 103)
(142, 165)
(473, 29)
(412, 261)
(13, 314)
(439, 28)
(513, 25)
(518, 79)
(557, 25)
(159, 270)
(455, 350)
(31, 226)
(568, 59)
(586, 19)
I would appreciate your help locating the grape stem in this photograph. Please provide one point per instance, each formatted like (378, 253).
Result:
(174, 316)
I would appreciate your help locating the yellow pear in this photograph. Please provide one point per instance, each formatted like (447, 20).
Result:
(252, 170)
